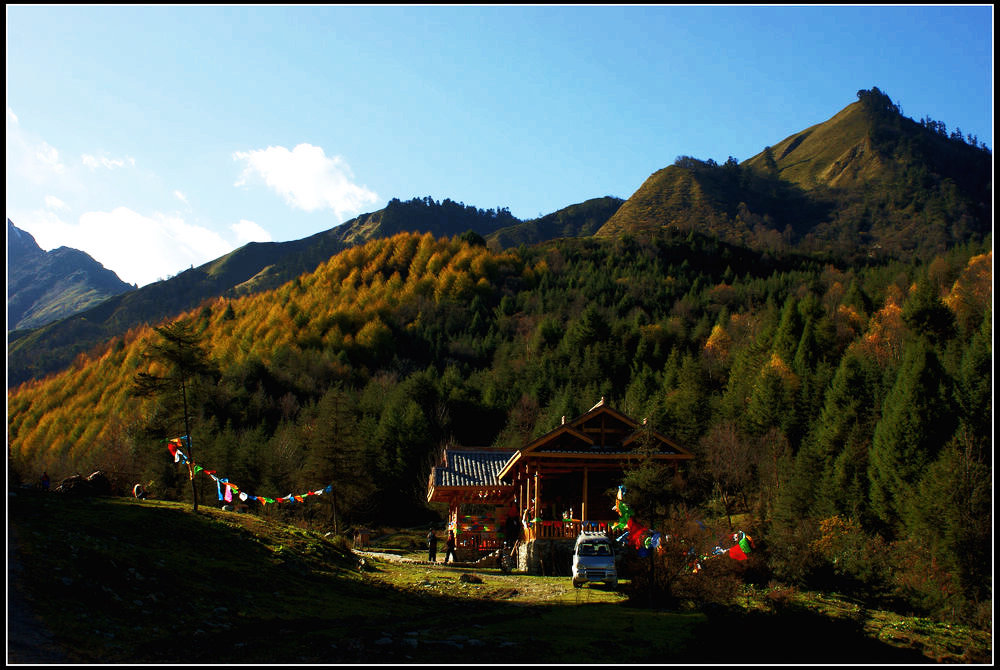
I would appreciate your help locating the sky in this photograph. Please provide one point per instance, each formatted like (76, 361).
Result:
(157, 138)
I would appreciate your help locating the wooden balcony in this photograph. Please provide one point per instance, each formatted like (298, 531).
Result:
(486, 540)
(566, 528)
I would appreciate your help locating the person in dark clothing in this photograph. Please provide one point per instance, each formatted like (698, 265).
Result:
(511, 530)
(432, 546)
(450, 547)
(45, 481)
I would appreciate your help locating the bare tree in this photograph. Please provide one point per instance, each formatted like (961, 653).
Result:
(731, 461)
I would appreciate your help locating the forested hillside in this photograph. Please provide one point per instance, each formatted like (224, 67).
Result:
(851, 404)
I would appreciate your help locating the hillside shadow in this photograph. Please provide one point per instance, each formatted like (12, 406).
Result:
(797, 636)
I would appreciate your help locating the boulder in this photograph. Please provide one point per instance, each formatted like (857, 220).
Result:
(96, 484)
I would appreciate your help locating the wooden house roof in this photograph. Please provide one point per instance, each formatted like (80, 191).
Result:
(600, 434)
(602, 437)
(465, 471)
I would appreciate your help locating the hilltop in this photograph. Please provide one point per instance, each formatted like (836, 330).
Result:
(866, 183)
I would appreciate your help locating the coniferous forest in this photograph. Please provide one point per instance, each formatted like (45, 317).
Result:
(841, 403)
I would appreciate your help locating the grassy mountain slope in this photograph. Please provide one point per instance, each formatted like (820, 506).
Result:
(577, 220)
(45, 286)
(835, 153)
(866, 182)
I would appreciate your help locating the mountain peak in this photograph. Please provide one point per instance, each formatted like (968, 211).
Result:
(867, 181)
(44, 286)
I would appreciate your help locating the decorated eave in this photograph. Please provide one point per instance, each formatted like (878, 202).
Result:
(470, 475)
(600, 435)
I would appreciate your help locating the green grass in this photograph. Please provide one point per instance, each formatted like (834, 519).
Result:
(124, 581)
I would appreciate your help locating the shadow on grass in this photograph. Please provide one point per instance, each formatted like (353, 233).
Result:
(796, 636)
(119, 581)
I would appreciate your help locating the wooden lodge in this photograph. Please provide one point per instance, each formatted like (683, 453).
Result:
(557, 485)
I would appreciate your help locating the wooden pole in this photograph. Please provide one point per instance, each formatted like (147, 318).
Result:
(538, 495)
(583, 505)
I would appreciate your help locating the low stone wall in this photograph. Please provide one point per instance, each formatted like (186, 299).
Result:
(552, 557)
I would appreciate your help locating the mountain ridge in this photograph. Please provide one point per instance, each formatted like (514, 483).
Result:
(867, 182)
(818, 191)
(45, 286)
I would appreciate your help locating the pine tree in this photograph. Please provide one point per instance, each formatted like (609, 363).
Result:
(918, 418)
(335, 454)
(847, 418)
(180, 351)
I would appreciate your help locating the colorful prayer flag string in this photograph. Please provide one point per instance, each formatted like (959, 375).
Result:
(227, 489)
(643, 539)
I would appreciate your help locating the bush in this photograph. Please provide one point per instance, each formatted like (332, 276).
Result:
(792, 555)
(859, 563)
(779, 596)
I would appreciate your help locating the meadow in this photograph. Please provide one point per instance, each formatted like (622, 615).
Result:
(119, 580)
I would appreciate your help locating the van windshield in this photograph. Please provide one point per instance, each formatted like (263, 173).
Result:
(595, 549)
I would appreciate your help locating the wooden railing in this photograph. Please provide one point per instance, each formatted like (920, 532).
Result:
(567, 528)
(486, 540)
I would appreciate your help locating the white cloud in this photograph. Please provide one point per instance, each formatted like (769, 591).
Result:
(53, 202)
(93, 162)
(306, 178)
(139, 249)
(248, 231)
(180, 196)
(29, 156)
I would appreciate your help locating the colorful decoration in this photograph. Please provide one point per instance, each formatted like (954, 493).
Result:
(643, 540)
(174, 446)
(231, 489)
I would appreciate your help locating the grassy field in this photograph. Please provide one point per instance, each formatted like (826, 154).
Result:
(114, 580)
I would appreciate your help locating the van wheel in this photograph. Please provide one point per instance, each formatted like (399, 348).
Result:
(576, 584)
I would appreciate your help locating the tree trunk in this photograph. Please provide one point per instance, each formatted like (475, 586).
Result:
(190, 454)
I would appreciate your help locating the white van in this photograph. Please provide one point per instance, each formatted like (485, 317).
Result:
(594, 560)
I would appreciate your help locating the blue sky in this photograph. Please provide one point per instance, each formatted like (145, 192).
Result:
(156, 138)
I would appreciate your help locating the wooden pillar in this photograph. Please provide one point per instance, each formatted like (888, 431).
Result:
(583, 504)
(538, 494)
(527, 487)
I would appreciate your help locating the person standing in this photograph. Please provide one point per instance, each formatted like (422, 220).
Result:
(45, 481)
(432, 546)
(449, 546)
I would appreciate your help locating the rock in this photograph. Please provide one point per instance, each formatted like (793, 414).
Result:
(96, 484)
(470, 578)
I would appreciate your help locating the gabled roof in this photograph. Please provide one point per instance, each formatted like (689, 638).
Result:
(601, 432)
(470, 467)
(462, 469)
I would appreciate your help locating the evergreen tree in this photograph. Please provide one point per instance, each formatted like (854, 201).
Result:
(847, 418)
(180, 352)
(927, 315)
(950, 517)
(335, 454)
(975, 382)
(685, 409)
(918, 418)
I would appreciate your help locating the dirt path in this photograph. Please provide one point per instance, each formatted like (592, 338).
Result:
(486, 561)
